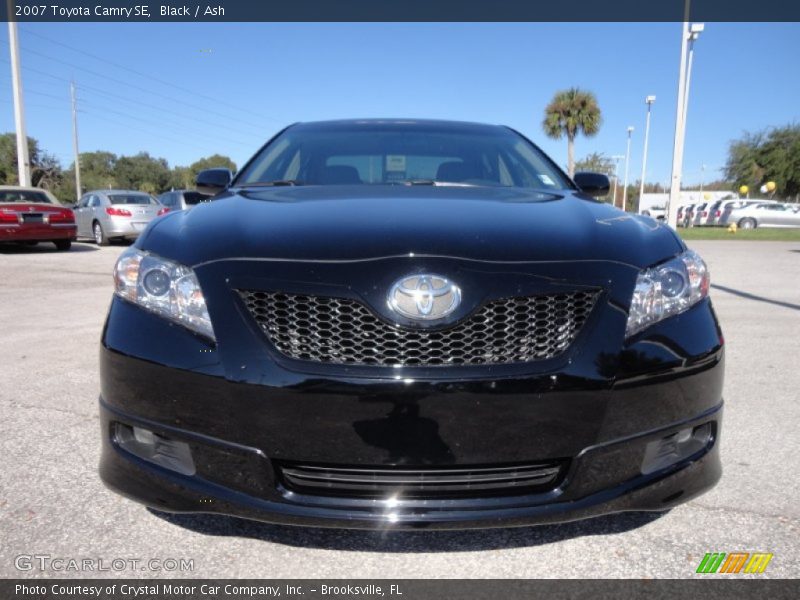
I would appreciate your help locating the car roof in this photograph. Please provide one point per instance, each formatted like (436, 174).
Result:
(383, 124)
(22, 188)
(117, 192)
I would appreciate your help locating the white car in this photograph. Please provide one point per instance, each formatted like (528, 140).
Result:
(659, 213)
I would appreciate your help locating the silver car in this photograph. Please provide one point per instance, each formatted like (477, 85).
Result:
(765, 214)
(182, 199)
(115, 214)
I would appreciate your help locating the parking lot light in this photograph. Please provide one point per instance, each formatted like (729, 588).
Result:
(627, 164)
(649, 100)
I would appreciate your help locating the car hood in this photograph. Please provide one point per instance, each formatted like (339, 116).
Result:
(350, 223)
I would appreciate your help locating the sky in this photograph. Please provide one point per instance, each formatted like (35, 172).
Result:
(183, 91)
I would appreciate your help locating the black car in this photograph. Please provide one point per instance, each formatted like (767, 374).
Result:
(403, 323)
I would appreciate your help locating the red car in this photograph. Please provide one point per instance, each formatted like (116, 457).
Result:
(32, 215)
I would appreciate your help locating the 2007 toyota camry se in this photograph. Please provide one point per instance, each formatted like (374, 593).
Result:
(402, 323)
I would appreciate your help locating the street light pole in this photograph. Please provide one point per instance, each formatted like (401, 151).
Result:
(616, 158)
(677, 146)
(649, 101)
(23, 159)
(689, 34)
(627, 163)
(694, 33)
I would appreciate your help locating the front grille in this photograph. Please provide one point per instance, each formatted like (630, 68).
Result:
(344, 331)
(422, 482)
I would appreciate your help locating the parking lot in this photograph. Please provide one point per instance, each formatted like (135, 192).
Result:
(52, 307)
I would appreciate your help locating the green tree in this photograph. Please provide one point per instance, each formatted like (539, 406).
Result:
(596, 162)
(97, 170)
(772, 155)
(142, 172)
(45, 168)
(210, 162)
(572, 112)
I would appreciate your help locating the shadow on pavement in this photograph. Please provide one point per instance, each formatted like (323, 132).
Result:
(408, 541)
(754, 297)
(45, 248)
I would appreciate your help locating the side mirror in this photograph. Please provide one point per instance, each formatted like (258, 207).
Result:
(594, 184)
(213, 181)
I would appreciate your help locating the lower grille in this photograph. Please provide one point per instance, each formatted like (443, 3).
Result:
(344, 331)
(423, 482)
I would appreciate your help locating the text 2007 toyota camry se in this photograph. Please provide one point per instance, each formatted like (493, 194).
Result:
(397, 323)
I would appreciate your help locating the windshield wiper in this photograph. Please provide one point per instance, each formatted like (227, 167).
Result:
(434, 182)
(275, 183)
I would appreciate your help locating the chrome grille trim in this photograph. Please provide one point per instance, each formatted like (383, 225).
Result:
(344, 331)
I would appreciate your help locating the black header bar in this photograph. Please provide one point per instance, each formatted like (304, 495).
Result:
(400, 10)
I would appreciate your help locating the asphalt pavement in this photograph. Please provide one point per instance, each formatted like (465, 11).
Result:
(52, 503)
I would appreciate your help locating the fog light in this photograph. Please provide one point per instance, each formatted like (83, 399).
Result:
(675, 447)
(155, 448)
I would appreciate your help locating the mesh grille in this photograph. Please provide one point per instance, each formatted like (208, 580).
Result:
(343, 331)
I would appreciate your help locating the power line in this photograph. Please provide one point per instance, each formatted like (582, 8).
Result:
(148, 105)
(119, 97)
(154, 135)
(145, 75)
(45, 106)
(136, 87)
(141, 120)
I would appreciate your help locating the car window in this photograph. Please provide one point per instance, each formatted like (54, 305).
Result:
(391, 154)
(94, 201)
(167, 199)
(192, 198)
(24, 196)
(131, 199)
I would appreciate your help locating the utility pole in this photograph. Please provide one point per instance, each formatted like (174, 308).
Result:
(702, 176)
(627, 164)
(649, 101)
(23, 158)
(75, 142)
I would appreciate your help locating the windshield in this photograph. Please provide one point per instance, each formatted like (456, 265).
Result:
(23, 196)
(402, 154)
(131, 199)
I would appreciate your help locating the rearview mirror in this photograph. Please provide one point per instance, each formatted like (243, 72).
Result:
(594, 184)
(213, 181)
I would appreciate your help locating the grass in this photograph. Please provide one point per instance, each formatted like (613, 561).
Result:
(722, 233)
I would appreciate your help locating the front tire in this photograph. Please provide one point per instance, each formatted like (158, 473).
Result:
(63, 245)
(747, 223)
(99, 235)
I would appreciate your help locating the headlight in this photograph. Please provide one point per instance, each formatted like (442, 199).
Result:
(163, 287)
(666, 290)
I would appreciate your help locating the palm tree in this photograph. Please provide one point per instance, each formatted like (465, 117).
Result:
(569, 113)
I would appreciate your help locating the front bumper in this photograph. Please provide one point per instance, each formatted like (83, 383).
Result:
(602, 468)
(238, 429)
